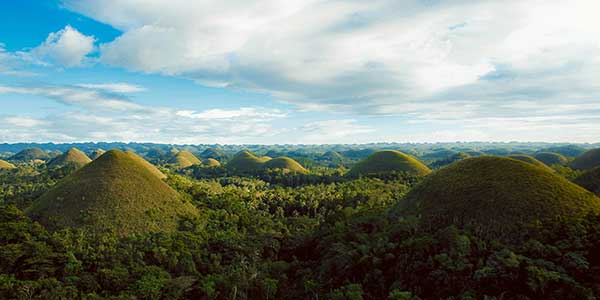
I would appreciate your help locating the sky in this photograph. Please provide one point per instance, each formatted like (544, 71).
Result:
(299, 72)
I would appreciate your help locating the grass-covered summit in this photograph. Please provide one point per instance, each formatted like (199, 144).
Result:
(531, 160)
(150, 167)
(73, 157)
(211, 162)
(245, 161)
(284, 163)
(590, 180)
(587, 160)
(4, 165)
(389, 161)
(551, 158)
(114, 192)
(30, 154)
(496, 197)
(183, 159)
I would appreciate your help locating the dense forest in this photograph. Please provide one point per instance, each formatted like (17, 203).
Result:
(330, 232)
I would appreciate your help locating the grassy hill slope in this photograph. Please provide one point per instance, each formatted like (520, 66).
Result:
(4, 165)
(495, 196)
(184, 159)
(388, 161)
(115, 192)
(531, 160)
(285, 163)
(73, 157)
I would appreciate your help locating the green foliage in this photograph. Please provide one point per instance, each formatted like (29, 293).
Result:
(281, 235)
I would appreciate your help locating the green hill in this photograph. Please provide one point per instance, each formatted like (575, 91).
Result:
(587, 160)
(30, 154)
(73, 157)
(150, 167)
(284, 163)
(389, 161)
(448, 160)
(531, 160)
(118, 192)
(551, 158)
(566, 150)
(4, 165)
(96, 153)
(213, 153)
(590, 180)
(184, 159)
(211, 162)
(496, 197)
(245, 161)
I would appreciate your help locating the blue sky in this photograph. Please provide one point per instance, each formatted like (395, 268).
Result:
(311, 71)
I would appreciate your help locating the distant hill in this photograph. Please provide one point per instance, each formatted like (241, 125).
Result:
(448, 160)
(590, 180)
(245, 161)
(214, 153)
(73, 157)
(4, 165)
(284, 163)
(389, 161)
(96, 153)
(116, 192)
(496, 197)
(30, 154)
(551, 158)
(531, 160)
(183, 159)
(567, 150)
(211, 162)
(587, 160)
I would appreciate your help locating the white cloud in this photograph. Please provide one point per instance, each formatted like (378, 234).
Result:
(114, 87)
(66, 47)
(247, 112)
(72, 95)
(373, 57)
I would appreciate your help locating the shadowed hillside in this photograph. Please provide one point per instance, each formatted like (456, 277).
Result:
(551, 158)
(590, 180)
(115, 192)
(531, 160)
(96, 153)
(30, 154)
(587, 160)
